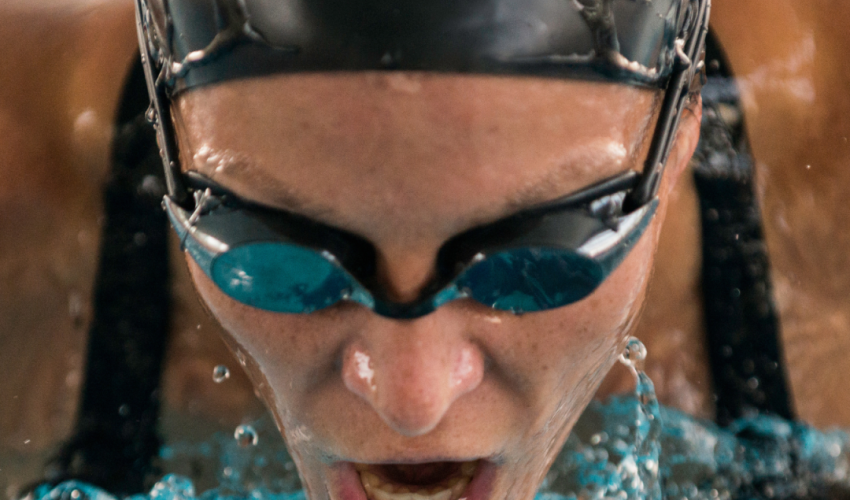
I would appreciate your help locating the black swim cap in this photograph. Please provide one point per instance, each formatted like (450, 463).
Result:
(208, 41)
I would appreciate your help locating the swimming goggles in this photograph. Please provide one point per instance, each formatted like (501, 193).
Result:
(541, 258)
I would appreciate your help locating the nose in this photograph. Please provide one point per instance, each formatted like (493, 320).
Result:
(411, 372)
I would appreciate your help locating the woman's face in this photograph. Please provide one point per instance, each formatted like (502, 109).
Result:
(467, 394)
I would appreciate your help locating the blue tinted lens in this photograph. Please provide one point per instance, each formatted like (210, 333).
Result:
(531, 279)
(280, 278)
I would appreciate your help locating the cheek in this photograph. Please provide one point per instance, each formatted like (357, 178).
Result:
(569, 350)
(286, 355)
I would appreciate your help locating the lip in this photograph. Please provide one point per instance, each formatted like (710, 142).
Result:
(345, 482)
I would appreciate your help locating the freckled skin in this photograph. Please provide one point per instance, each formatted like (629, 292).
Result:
(407, 161)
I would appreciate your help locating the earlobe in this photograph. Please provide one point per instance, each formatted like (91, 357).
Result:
(687, 138)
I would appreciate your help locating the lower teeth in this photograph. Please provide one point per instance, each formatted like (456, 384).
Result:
(449, 489)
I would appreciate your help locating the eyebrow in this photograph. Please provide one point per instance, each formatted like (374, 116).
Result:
(547, 189)
(278, 195)
(550, 188)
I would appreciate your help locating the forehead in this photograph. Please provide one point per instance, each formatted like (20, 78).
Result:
(413, 150)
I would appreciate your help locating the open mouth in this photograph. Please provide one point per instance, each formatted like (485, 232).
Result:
(424, 481)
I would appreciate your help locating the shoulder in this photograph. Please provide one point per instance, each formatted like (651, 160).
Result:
(63, 67)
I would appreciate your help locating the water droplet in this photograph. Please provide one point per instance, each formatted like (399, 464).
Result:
(220, 374)
(634, 354)
(176, 68)
(152, 186)
(599, 438)
(150, 114)
(246, 436)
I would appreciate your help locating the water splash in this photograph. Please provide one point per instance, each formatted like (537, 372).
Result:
(632, 448)
(613, 452)
(625, 448)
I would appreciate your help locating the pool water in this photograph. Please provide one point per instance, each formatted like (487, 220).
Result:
(627, 448)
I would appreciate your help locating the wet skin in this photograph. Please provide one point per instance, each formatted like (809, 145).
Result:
(407, 161)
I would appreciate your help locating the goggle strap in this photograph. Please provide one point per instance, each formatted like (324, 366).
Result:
(158, 113)
(686, 67)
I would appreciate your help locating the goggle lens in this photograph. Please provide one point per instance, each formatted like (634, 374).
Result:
(291, 279)
(531, 279)
(280, 278)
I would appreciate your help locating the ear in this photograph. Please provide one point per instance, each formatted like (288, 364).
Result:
(687, 138)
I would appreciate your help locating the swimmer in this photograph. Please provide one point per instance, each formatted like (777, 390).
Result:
(427, 231)
(754, 59)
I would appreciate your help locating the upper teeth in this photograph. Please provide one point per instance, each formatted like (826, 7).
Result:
(449, 489)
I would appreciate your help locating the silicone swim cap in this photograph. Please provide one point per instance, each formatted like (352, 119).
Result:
(208, 41)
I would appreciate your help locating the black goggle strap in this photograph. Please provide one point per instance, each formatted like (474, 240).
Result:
(687, 67)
